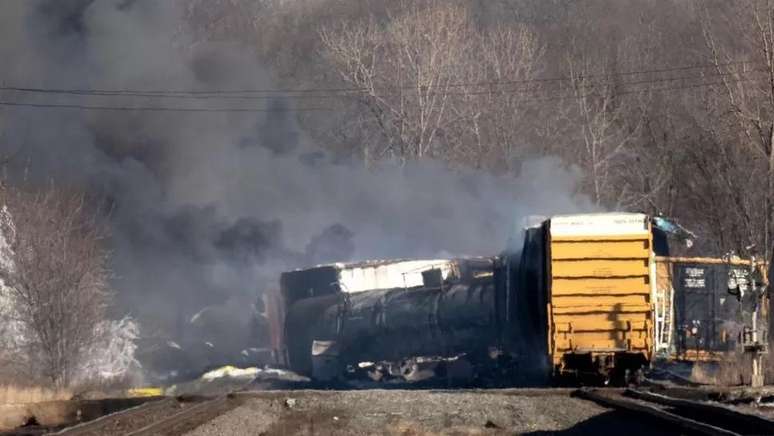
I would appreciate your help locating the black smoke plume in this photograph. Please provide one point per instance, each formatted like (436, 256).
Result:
(208, 207)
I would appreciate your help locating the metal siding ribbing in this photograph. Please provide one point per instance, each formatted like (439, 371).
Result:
(600, 291)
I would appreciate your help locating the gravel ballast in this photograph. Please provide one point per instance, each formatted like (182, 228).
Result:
(377, 412)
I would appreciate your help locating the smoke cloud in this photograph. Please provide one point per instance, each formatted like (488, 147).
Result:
(208, 207)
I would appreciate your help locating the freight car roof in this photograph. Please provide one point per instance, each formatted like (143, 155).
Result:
(599, 224)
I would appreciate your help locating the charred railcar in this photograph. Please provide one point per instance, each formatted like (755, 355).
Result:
(454, 308)
(392, 325)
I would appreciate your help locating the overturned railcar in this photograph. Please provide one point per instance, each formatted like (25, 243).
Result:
(428, 308)
(394, 325)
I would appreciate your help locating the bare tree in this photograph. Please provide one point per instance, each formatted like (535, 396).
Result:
(740, 40)
(405, 68)
(499, 111)
(432, 82)
(598, 123)
(56, 277)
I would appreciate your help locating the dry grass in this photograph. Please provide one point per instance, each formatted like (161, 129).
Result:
(703, 373)
(733, 370)
(26, 395)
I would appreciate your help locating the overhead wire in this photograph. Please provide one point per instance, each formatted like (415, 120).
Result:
(289, 92)
(353, 95)
(321, 109)
(154, 108)
(574, 95)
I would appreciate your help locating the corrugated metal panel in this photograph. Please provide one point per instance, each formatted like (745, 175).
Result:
(601, 313)
(617, 249)
(594, 286)
(580, 325)
(600, 286)
(603, 344)
(602, 301)
(599, 268)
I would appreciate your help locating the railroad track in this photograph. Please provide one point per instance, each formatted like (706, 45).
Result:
(696, 417)
(163, 417)
(175, 416)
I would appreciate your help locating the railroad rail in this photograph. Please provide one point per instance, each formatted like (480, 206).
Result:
(697, 417)
(166, 416)
(189, 418)
(174, 416)
(104, 423)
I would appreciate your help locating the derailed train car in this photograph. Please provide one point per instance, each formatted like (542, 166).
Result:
(595, 278)
(711, 309)
(428, 308)
(578, 301)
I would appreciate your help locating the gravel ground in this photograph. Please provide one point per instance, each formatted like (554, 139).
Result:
(765, 410)
(377, 412)
(131, 419)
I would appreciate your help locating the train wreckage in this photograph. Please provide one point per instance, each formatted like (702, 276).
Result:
(592, 297)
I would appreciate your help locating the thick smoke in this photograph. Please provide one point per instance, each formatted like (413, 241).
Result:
(208, 207)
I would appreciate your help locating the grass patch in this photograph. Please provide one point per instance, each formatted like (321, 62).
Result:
(26, 395)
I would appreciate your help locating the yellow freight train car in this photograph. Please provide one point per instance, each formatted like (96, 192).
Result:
(600, 317)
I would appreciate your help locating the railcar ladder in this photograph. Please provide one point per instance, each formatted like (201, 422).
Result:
(664, 313)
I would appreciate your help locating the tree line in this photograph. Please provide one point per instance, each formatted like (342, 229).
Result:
(665, 105)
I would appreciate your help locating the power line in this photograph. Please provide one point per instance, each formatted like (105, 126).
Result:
(638, 91)
(494, 92)
(203, 94)
(622, 84)
(320, 109)
(155, 109)
(324, 109)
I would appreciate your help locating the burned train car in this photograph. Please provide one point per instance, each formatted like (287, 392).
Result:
(583, 299)
(380, 310)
